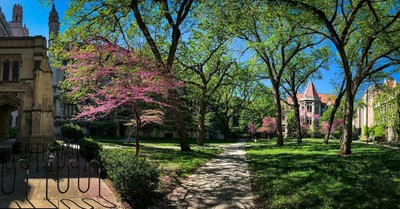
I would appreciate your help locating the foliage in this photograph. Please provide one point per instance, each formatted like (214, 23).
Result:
(12, 132)
(367, 131)
(100, 128)
(379, 131)
(269, 125)
(336, 129)
(314, 176)
(102, 76)
(252, 129)
(134, 178)
(365, 43)
(90, 149)
(260, 103)
(72, 131)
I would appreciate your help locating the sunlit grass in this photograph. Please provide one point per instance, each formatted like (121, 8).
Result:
(313, 175)
(166, 154)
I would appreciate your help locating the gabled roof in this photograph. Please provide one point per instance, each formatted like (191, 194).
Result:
(325, 98)
(310, 91)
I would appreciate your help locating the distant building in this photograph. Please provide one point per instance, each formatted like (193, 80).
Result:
(14, 28)
(312, 106)
(379, 105)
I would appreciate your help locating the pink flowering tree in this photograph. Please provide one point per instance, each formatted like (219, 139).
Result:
(269, 126)
(336, 128)
(252, 129)
(103, 77)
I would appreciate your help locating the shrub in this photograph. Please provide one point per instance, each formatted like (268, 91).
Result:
(99, 128)
(12, 132)
(72, 132)
(133, 177)
(379, 131)
(91, 147)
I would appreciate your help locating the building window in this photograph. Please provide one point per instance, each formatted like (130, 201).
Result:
(6, 71)
(15, 75)
(316, 109)
(309, 106)
(69, 110)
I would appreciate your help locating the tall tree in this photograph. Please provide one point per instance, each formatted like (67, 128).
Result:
(206, 63)
(159, 23)
(275, 37)
(364, 34)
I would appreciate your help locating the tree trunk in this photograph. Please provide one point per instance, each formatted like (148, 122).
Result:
(137, 141)
(278, 114)
(138, 125)
(297, 118)
(333, 113)
(345, 149)
(178, 116)
(202, 118)
(330, 122)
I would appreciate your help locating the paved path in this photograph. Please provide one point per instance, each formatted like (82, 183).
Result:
(223, 182)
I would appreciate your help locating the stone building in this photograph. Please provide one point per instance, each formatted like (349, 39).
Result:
(26, 100)
(312, 106)
(379, 105)
(25, 87)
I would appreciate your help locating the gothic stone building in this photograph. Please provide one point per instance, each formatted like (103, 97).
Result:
(380, 105)
(312, 105)
(26, 95)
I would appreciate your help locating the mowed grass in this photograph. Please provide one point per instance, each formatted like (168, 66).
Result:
(166, 154)
(313, 175)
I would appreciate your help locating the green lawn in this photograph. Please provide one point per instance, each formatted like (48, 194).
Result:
(160, 142)
(166, 154)
(313, 175)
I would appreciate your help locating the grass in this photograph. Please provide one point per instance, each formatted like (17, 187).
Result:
(161, 142)
(313, 175)
(166, 154)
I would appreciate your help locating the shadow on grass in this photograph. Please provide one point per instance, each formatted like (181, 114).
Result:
(313, 175)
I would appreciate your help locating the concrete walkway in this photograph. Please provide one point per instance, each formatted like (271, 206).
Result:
(223, 182)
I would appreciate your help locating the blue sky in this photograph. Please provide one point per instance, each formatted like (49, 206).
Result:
(35, 16)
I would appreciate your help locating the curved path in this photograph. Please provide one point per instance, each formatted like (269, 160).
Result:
(223, 182)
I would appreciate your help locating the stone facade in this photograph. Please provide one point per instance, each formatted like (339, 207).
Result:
(379, 106)
(25, 86)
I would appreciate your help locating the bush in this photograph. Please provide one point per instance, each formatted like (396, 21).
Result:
(133, 177)
(103, 128)
(12, 133)
(379, 131)
(72, 132)
(92, 149)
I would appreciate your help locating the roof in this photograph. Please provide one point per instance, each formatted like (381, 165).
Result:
(310, 91)
(325, 98)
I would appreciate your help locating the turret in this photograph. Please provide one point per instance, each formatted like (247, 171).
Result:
(17, 14)
(54, 24)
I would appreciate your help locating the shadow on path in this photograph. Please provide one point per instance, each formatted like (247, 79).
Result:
(223, 182)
